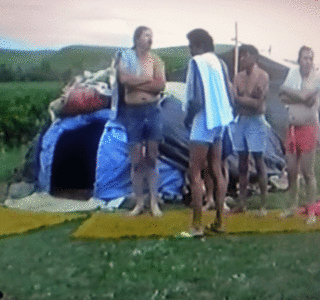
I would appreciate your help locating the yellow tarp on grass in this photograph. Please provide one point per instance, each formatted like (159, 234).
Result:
(15, 221)
(112, 226)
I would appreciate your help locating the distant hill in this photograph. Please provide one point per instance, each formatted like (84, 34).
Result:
(24, 59)
(85, 57)
(93, 58)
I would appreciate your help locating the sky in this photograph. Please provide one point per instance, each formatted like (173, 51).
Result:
(285, 25)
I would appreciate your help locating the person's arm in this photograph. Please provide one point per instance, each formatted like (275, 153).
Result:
(293, 96)
(158, 82)
(256, 101)
(195, 102)
(131, 80)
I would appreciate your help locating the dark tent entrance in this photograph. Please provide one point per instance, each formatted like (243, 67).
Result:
(74, 160)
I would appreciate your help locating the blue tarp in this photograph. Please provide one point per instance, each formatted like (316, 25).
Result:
(112, 170)
(113, 167)
(52, 136)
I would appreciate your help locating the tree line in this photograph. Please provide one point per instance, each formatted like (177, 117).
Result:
(44, 72)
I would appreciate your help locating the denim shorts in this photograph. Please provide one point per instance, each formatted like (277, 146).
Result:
(143, 122)
(249, 134)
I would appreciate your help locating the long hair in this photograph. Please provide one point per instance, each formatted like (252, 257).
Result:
(137, 34)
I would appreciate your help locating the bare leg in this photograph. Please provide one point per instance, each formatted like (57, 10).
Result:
(263, 179)
(209, 190)
(198, 157)
(137, 175)
(307, 168)
(153, 176)
(291, 202)
(219, 177)
(243, 181)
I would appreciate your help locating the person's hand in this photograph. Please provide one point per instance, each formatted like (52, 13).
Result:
(311, 98)
(257, 93)
(188, 122)
(146, 78)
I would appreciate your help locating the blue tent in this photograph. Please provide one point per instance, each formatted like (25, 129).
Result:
(90, 152)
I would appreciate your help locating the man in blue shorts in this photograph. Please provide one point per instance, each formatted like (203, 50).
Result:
(208, 114)
(249, 133)
(143, 75)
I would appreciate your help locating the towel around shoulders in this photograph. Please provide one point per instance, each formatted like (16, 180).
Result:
(217, 105)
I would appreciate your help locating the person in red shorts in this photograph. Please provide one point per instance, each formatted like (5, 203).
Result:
(300, 93)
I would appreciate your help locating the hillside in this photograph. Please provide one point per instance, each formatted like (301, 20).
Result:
(93, 58)
(24, 59)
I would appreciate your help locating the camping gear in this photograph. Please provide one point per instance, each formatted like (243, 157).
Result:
(84, 99)
(113, 178)
(89, 151)
(87, 93)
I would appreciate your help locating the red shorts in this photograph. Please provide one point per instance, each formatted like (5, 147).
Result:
(301, 139)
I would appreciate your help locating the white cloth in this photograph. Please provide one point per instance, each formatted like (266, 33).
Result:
(217, 105)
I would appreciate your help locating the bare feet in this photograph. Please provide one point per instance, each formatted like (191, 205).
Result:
(216, 227)
(262, 212)
(155, 209)
(209, 205)
(311, 219)
(138, 209)
(238, 209)
(287, 213)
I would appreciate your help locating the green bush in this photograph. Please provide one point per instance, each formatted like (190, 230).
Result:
(23, 110)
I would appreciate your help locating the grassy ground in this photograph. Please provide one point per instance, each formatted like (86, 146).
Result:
(9, 160)
(48, 265)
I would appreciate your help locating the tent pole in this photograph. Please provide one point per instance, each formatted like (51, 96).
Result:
(236, 52)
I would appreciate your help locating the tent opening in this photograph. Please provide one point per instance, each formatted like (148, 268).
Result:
(74, 162)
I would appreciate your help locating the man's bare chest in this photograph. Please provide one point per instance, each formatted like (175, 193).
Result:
(147, 66)
(248, 84)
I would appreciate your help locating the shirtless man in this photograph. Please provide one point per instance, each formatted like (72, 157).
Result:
(143, 75)
(205, 139)
(249, 131)
(300, 92)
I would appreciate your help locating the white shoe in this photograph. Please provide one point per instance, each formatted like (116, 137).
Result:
(193, 233)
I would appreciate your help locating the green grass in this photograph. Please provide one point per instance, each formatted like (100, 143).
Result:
(13, 90)
(48, 265)
(9, 160)
(24, 110)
